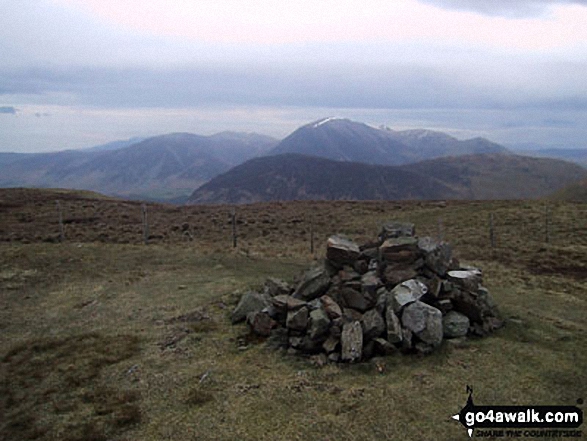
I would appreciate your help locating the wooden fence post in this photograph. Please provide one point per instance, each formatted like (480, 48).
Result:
(234, 242)
(61, 226)
(491, 231)
(547, 224)
(145, 224)
(311, 235)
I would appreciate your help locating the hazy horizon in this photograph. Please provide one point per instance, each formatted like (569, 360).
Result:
(79, 73)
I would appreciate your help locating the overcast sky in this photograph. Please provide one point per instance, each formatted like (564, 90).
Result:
(76, 73)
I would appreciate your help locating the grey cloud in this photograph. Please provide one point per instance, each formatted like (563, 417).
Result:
(387, 86)
(8, 110)
(508, 8)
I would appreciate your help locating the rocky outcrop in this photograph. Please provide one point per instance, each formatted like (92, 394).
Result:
(397, 293)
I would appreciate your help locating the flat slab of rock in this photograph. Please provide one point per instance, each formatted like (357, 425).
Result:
(389, 250)
(424, 321)
(468, 279)
(284, 303)
(314, 283)
(249, 303)
(351, 341)
(342, 251)
(455, 325)
(405, 293)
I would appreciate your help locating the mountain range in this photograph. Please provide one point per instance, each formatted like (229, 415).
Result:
(309, 163)
(301, 177)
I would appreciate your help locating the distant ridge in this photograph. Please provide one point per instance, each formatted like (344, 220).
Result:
(300, 177)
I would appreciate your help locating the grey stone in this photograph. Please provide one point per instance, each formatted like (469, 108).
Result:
(275, 287)
(394, 327)
(373, 325)
(455, 324)
(356, 300)
(261, 323)
(390, 250)
(350, 314)
(314, 283)
(341, 250)
(383, 347)
(396, 229)
(370, 282)
(331, 344)
(334, 357)
(297, 319)
(395, 274)
(250, 302)
(286, 303)
(352, 341)
(319, 324)
(405, 293)
(278, 339)
(437, 255)
(332, 308)
(468, 279)
(424, 321)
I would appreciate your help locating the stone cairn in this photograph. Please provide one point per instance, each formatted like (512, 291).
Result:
(399, 293)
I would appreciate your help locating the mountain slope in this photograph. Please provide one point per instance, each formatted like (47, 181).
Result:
(163, 167)
(578, 156)
(292, 176)
(575, 192)
(345, 140)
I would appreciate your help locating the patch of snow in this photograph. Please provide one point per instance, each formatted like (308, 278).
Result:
(324, 121)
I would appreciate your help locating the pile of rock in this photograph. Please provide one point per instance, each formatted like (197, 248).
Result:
(399, 292)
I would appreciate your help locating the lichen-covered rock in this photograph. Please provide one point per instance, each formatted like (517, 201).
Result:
(314, 283)
(424, 321)
(455, 325)
(351, 341)
(249, 303)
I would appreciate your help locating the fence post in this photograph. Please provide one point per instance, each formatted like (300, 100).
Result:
(491, 231)
(61, 226)
(145, 224)
(547, 224)
(233, 227)
(311, 235)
